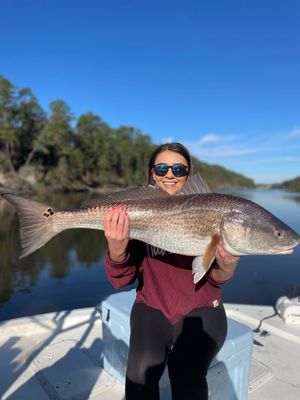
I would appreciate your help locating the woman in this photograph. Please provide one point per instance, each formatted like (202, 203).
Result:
(173, 322)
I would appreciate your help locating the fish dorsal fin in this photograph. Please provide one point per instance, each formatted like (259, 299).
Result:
(142, 192)
(195, 185)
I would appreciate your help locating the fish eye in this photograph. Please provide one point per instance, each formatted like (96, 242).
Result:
(278, 234)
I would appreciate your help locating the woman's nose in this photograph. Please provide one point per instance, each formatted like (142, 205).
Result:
(170, 174)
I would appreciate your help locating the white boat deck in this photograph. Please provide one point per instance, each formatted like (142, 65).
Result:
(59, 356)
(275, 372)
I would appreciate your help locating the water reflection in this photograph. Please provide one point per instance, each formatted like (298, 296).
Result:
(68, 271)
(293, 197)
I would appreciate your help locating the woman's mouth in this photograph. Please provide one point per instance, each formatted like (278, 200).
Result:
(169, 183)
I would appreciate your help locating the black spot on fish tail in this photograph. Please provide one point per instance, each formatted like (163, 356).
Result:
(48, 213)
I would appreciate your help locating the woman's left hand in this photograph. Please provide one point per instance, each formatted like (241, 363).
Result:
(223, 257)
(226, 264)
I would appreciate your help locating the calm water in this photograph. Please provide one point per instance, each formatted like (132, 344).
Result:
(68, 272)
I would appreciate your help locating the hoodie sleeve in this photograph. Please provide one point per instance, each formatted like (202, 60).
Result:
(215, 282)
(125, 273)
(120, 274)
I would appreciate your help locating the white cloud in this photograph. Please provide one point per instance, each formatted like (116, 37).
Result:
(210, 138)
(251, 154)
(295, 132)
(167, 140)
(214, 146)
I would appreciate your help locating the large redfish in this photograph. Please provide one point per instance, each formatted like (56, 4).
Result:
(190, 223)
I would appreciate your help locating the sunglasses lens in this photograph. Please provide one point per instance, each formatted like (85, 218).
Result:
(179, 170)
(161, 169)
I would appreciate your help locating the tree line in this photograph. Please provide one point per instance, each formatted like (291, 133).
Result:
(60, 151)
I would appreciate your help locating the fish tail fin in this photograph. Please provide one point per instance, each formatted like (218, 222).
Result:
(36, 227)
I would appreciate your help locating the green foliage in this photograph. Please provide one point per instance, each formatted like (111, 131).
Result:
(59, 152)
(55, 139)
(21, 119)
(219, 177)
(293, 184)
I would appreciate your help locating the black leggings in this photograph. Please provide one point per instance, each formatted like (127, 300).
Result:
(188, 347)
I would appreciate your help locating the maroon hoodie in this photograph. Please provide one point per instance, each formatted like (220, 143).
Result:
(165, 280)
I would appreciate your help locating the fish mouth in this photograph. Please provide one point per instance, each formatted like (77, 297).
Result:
(283, 251)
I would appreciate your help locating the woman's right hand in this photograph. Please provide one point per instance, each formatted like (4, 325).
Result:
(116, 230)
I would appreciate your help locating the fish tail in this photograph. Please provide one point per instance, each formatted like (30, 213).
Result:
(36, 222)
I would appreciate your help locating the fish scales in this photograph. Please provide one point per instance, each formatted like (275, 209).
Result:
(192, 217)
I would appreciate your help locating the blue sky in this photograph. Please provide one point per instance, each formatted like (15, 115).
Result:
(221, 76)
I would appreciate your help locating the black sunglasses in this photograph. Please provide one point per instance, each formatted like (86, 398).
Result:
(177, 169)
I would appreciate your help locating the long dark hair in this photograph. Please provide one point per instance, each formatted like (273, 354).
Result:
(177, 148)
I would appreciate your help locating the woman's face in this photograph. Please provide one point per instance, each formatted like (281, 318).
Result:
(170, 183)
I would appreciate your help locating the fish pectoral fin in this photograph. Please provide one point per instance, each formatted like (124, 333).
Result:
(201, 264)
(198, 269)
(210, 251)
